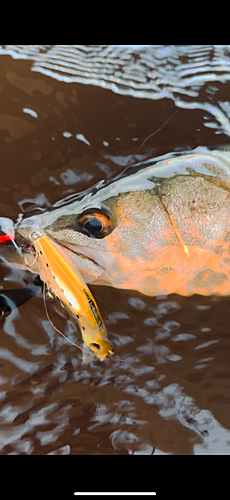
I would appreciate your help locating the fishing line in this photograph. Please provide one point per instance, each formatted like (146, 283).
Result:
(158, 130)
(35, 259)
(133, 157)
(51, 322)
(10, 237)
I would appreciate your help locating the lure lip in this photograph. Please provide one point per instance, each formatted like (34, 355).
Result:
(101, 357)
(90, 355)
(106, 350)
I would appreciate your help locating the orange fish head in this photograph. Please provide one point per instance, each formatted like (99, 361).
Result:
(117, 244)
(154, 231)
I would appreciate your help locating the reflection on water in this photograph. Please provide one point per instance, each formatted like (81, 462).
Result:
(167, 388)
(187, 74)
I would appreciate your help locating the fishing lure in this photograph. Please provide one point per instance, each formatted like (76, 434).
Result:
(66, 283)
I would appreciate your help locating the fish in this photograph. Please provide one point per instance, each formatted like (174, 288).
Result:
(161, 227)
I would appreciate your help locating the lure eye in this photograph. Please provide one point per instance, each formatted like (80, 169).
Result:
(95, 224)
(97, 346)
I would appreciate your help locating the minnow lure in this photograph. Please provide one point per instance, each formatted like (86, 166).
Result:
(66, 283)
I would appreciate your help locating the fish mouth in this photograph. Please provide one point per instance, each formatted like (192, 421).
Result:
(88, 260)
(22, 236)
(84, 253)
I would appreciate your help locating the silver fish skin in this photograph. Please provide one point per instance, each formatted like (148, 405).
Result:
(161, 227)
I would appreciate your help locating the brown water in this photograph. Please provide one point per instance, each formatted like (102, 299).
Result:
(167, 388)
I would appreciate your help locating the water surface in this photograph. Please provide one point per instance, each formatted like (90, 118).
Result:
(167, 388)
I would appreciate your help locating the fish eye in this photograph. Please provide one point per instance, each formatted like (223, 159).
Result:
(95, 223)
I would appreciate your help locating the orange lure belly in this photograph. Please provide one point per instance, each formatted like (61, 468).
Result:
(68, 286)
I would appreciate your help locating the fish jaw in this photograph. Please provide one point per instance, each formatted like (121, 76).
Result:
(122, 260)
(108, 267)
(89, 261)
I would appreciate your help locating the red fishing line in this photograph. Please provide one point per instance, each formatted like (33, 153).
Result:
(7, 237)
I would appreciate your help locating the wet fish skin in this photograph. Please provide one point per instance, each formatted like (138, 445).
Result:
(161, 228)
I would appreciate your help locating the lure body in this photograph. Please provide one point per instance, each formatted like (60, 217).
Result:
(67, 285)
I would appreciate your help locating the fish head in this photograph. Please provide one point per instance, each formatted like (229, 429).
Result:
(153, 230)
(108, 234)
